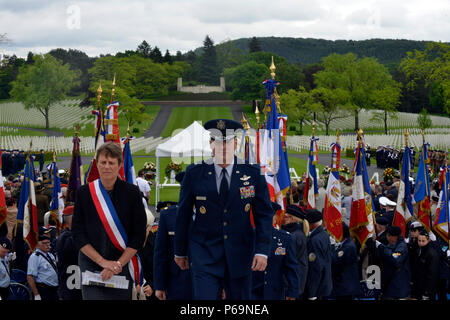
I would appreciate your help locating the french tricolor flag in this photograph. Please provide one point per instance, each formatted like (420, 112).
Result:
(27, 210)
(361, 215)
(404, 209)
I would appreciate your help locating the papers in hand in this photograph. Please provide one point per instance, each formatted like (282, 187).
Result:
(89, 278)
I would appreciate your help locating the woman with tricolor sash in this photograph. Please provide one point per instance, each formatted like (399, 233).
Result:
(108, 228)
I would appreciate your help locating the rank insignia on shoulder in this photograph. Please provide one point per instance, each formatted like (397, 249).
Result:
(312, 257)
(202, 210)
(280, 251)
(245, 177)
(200, 198)
(247, 207)
(340, 253)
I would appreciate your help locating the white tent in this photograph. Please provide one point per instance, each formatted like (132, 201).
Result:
(192, 141)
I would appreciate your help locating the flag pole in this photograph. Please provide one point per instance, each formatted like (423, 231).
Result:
(425, 167)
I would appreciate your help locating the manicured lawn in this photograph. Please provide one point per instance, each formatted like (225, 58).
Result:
(182, 117)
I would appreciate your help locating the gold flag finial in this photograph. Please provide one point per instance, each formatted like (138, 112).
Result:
(99, 93)
(54, 155)
(423, 135)
(77, 129)
(272, 69)
(257, 114)
(113, 88)
(313, 127)
(337, 136)
(244, 122)
(128, 130)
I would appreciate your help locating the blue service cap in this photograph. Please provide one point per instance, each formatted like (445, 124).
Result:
(222, 129)
(5, 243)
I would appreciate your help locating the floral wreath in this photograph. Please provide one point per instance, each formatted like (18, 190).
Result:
(172, 166)
(150, 170)
(344, 169)
(388, 174)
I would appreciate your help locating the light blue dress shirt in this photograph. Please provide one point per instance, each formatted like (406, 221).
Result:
(41, 269)
(4, 273)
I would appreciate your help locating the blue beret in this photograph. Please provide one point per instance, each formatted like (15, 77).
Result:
(313, 215)
(5, 243)
(294, 210)
(222, 129)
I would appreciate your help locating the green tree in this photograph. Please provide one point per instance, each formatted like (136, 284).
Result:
(144, 49)
(43, 84)
(362, 79)
(208, 69)
(431, 65)
(329, 105)
(245, 81)
(228, 55)
(424, 120)
(254, 45)
(9, 68)
(297, 105)
(167, 57)
(385, 102)
(156, 55)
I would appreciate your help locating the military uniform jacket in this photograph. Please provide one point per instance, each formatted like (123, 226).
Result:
(427, 268)
(396, 269)
(301, 251)
(345, 269)
(222, 235)
(281, 271)
(167, 275)
(319, 281)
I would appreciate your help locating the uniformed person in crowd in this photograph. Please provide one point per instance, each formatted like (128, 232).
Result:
(223, 246)
(42, 273)
(395, 282)
(367, 154)
(146, 255)
(296, 224)
(67, 258)
(377, 194)
(387, 209)
(170, 282)
(344, 268)
(413, 250)
(319, 281)
(41, 160)
(427, 268)
(5, 273)
(280, 280)
(379, 157)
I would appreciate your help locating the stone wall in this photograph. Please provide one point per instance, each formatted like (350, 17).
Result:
(201, 88)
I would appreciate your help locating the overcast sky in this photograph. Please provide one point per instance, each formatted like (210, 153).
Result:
(108, 26)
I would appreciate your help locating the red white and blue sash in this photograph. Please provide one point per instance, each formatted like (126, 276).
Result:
(113, 226)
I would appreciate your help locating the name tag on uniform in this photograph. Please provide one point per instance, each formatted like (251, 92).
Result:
(247, 192)
(200, 198)
(171, 233)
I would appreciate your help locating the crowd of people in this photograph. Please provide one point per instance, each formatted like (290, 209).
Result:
(220, 241)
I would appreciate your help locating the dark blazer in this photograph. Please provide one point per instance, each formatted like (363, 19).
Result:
(282, 268)
(167, 275)
(221, 236)
(301, 251)
(396, 269)
(87, 227)
(345, 269)
(427, 268)
(319, 281)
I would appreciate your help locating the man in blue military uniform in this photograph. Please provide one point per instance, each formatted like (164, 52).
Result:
(319, 282)
(5, 276)
(170, 282)
(42, 274)
(280, 280)
(344, 268)
(396, 268)
(222, 244)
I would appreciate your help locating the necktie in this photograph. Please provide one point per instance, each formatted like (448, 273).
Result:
(223, 192)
